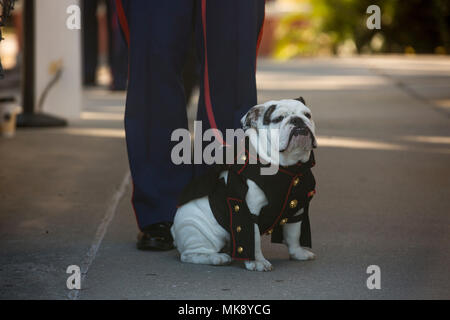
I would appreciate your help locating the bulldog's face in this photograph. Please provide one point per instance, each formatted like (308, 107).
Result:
(295, 134)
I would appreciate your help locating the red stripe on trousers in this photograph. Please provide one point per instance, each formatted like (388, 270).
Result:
(207, 92)
(261, 32)
(123, 21)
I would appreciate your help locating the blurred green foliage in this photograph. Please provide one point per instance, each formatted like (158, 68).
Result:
(339, 26)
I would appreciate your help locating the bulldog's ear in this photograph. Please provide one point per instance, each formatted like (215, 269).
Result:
(301, 100)
(250, 120)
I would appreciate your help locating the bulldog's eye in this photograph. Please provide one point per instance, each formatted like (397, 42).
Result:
(278, 119)
(308, 115)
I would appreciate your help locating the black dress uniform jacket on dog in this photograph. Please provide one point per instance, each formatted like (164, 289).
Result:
(287, 192)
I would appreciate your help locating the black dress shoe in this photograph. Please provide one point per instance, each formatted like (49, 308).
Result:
(156, 237)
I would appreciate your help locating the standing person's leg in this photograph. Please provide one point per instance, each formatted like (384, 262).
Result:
(159, 35)
(232, 29)
(90, 41)
(118, 51)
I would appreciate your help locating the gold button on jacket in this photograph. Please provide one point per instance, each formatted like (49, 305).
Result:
(293, 204)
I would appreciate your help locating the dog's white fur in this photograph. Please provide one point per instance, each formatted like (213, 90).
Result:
(198, 236)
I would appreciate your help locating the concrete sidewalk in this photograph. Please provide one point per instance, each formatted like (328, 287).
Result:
(383, 196)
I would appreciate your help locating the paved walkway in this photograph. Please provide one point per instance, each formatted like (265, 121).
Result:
(383, 196)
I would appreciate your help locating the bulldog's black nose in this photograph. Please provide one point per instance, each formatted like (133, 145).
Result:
(300, 128)
(297, 122)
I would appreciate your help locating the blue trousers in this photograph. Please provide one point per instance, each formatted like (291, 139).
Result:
(159, 34)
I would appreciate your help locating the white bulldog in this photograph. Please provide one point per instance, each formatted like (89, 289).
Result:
(200, 238)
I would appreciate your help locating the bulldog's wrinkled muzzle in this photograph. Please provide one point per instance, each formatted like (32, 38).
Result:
(300, 129)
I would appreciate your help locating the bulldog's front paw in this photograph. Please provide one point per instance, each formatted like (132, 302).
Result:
(301, 254)
(258, 265)
(215, 259)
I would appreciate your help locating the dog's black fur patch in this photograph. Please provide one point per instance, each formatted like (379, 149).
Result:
(268, 114)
